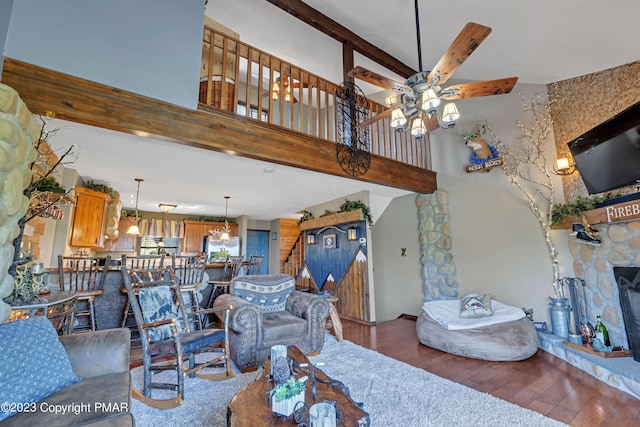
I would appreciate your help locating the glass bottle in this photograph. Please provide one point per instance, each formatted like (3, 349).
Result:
(601, 332)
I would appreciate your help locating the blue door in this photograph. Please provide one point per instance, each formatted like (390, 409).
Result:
(258, 244)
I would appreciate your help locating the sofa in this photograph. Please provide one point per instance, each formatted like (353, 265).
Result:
(266, 311)
(85, 377)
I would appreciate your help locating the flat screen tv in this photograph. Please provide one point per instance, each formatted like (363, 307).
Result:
(608, 156)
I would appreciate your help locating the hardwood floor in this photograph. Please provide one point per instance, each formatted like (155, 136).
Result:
(542, 383)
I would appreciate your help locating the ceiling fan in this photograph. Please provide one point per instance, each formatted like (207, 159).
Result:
(422, 93)
(283, 88)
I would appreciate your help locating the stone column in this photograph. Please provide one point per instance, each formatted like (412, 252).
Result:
(438, 267)
(19, 129)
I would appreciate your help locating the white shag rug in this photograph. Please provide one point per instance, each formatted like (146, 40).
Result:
(394, 394)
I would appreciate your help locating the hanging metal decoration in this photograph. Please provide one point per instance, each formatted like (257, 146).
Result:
(353, 147)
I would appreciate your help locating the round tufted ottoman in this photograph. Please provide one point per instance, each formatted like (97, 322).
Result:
(508, 341)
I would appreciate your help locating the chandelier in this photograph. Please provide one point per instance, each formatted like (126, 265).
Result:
(224, 233)
(286, 89)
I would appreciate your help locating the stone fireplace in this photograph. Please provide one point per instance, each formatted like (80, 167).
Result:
(18, 131)
(628, 280)
(620, 247)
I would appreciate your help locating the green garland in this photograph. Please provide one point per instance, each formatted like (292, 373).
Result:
(102, 188)
(578, 206)
(352, 205)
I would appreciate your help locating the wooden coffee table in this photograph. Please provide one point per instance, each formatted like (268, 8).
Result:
(251, 405)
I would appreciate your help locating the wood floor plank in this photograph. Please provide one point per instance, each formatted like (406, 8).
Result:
(542, 383)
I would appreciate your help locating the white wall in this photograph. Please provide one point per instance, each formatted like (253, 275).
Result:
(154, 50)
(398, 282)
(498, 246)
(5, 16)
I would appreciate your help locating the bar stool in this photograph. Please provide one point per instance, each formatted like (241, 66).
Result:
(85, 277)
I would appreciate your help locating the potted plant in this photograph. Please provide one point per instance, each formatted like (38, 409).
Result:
(286, 395)
(287, 391)
(221, 255)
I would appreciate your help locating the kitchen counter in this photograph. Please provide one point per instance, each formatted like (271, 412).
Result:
(111, 303)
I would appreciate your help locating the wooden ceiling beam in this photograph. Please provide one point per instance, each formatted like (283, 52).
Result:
(66, 97)
(328, 26)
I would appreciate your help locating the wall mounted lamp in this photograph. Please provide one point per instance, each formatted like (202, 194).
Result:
(564, 167)
(311, 239)
(352, 233)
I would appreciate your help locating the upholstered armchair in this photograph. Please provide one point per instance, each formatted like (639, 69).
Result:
(267, 310)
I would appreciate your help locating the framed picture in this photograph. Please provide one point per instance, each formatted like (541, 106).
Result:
(329, 241)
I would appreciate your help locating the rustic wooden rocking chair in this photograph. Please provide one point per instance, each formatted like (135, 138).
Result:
(168, 342)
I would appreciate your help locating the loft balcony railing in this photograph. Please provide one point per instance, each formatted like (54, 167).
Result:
(262, 87)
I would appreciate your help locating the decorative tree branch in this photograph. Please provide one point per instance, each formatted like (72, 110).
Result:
(525, 166)
(41, 170)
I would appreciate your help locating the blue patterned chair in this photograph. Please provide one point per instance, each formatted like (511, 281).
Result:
(167, 338)
(266, 311)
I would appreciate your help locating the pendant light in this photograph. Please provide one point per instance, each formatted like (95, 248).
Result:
(134, 229)
(225, 233)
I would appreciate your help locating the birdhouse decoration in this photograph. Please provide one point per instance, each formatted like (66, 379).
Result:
(484, 156)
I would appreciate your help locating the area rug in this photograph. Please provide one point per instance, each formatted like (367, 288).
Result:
(393, 393)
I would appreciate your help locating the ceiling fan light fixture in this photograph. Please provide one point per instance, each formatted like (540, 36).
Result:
(430, 101)
(417, 127)
(450, 114)
(397, 118)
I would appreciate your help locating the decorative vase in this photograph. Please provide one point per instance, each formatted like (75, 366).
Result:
(323, 415)
(285, 407)
(559, 313)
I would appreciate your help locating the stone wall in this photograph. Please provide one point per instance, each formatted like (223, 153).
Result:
(583, 103)
(19, 129)
(620, 247)
(439, 274)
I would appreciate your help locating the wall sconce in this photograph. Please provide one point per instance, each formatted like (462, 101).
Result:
(352, 233)
(311, 239)
(564, 167)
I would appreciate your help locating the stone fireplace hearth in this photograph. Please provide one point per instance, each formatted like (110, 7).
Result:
(620, 247)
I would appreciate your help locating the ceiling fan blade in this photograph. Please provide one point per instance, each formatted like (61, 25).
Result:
(483, 88)
(467, 41)
(381, 115)
(378, 80)
(431, 123)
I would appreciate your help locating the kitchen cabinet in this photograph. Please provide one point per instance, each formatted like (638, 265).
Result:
(89, 218)
(194, 232)
(124, 242)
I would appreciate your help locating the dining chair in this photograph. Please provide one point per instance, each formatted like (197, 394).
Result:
(255, 263)
(189, 272)
(232, 269)
(143, 261)
(168, 341)
(85, 277)
(140, 262)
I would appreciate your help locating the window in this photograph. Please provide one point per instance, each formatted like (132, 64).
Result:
(253, 112)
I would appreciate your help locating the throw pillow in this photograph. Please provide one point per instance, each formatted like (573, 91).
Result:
(34, 363)
(268, 291)
(473, 306)
(157, 304)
